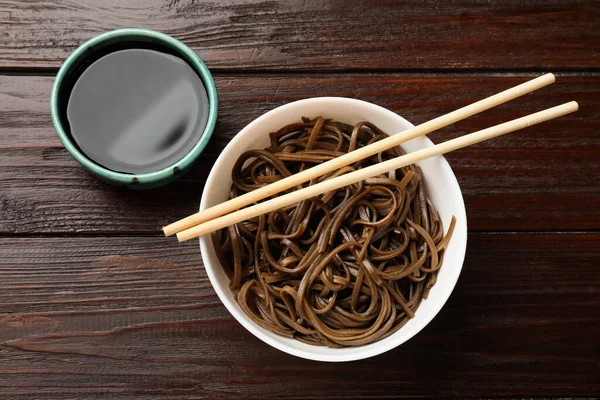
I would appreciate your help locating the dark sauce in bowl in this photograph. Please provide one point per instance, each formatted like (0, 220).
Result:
(137, 110)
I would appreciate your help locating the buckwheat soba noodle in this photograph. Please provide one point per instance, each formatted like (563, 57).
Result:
(346, 268)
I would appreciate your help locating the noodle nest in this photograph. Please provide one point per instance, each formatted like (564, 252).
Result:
(346, 268)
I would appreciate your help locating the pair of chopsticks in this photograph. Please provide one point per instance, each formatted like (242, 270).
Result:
(225, 214)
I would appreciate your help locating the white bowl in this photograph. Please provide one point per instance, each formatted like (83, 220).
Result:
(440, 185)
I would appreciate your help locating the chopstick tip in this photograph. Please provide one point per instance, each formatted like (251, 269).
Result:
(569, 107)
(575, 105)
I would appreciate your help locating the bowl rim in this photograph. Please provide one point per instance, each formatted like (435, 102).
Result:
(163, 174)
(360, 352)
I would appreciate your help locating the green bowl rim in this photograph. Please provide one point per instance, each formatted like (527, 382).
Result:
(151, 177)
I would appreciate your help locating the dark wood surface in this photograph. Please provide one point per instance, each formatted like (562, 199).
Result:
(94, 303)
(320, 35)
(136, 317)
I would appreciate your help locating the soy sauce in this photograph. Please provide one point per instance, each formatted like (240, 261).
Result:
(137, 110)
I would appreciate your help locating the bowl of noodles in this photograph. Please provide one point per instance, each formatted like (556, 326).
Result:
(349, 274)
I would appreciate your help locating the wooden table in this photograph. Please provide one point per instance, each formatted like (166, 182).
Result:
(95, 303)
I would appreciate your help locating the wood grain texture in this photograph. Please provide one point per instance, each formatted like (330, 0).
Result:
(95, 304)
(323, 35)
(542, 178)
(135, 317)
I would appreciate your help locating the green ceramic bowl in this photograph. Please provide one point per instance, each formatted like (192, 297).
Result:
(89, 52)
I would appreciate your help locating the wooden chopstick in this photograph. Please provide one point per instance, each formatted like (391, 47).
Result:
(374, 170)
(358, 154)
